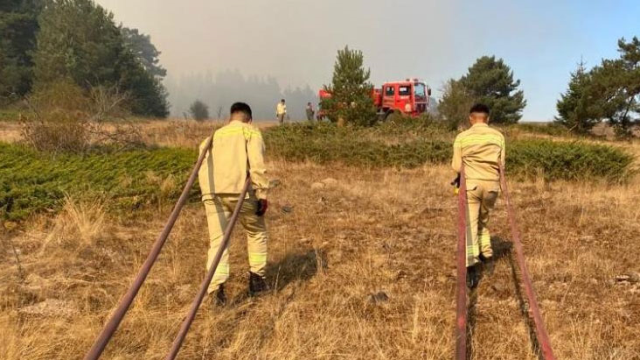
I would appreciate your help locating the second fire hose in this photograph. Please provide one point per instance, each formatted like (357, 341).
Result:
(186, 324)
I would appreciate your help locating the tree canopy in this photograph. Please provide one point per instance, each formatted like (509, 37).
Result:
(79, 40)
(18, 26)
(490, 81)
(199, 110)
(609, 91)
(350, 90)
(144, 50)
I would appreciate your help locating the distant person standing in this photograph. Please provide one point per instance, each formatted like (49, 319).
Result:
(310, 112)
(281, 111)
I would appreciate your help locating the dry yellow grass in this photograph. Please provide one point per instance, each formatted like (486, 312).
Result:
(371, 231)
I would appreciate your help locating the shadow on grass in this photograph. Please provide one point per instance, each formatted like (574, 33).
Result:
(504, 249)
(501, 250)
(296, 267)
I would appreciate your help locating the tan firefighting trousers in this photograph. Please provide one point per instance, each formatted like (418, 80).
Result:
(218, 211)
(481, 198)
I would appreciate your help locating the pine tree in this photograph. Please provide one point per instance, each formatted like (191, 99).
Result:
(199, 110)
(574, 111)
(455, 104)
(144, 50)
(350, 91)
(609, 91)
(491, 82)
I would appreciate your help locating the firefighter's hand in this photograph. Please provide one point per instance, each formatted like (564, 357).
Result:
(456, 182)
(263, 205)
(456, 185)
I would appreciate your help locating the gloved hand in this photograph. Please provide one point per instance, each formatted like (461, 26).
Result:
(456, 184)
(263, 205)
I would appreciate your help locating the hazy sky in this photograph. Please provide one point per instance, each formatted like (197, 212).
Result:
(296, 40)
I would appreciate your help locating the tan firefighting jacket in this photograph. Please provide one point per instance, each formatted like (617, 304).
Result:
(281, 109)
(480, 148)
(238, 150)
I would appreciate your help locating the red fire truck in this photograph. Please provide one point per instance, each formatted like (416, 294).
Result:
(410, 97)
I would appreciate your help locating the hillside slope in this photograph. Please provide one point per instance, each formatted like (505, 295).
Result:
(386, 233)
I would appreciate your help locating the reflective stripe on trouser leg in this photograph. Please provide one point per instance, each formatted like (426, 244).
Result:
(256, 230)
(217, 215)
(474, 200)
(489, 197)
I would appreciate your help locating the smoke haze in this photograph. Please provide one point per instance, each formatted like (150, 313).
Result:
(293, 43)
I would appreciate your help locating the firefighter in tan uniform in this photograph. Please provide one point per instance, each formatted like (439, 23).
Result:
(281, 111)
(481, 149)
(237, 151)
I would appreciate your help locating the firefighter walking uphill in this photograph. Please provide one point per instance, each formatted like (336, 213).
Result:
(237, 152)
(480, 149)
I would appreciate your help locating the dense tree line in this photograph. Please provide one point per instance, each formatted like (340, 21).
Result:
(46, 41)
(220, 90)
(18, 26)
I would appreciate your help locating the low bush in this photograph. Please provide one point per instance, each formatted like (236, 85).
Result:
(551, 129)
(32, 182)
(326, 143)
(567, 160)
(64, 118)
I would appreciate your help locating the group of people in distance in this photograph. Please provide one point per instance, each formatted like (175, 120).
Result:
(237, 151)
(281, 111)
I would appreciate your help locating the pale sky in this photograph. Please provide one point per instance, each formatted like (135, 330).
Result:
(296, 41)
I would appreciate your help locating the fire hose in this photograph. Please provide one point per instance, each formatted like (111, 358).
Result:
(461, 298)
(186, 324)
(123, 306)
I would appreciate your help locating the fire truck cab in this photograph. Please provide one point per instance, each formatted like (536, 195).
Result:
(410, 97)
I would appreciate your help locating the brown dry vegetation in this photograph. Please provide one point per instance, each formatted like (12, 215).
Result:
(371, 231)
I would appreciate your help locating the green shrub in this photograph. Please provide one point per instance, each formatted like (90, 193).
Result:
(567, 160)
(552, 129)
(32, 182)
(326, 143)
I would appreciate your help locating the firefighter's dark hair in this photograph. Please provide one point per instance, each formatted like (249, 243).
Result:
(480, 108)
(241, 107)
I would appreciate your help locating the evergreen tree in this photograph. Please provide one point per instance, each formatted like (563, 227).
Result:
(18, 26)
(491, 82)
(351, 100)
(455, 104)
(199, 110)
(575, 109)
(619, 81)
(609, 91)
(144, 50)
(79, 40)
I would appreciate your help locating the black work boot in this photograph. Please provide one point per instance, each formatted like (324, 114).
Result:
(218, 297)
(489, 263)
(473, 276)
(257, 284)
